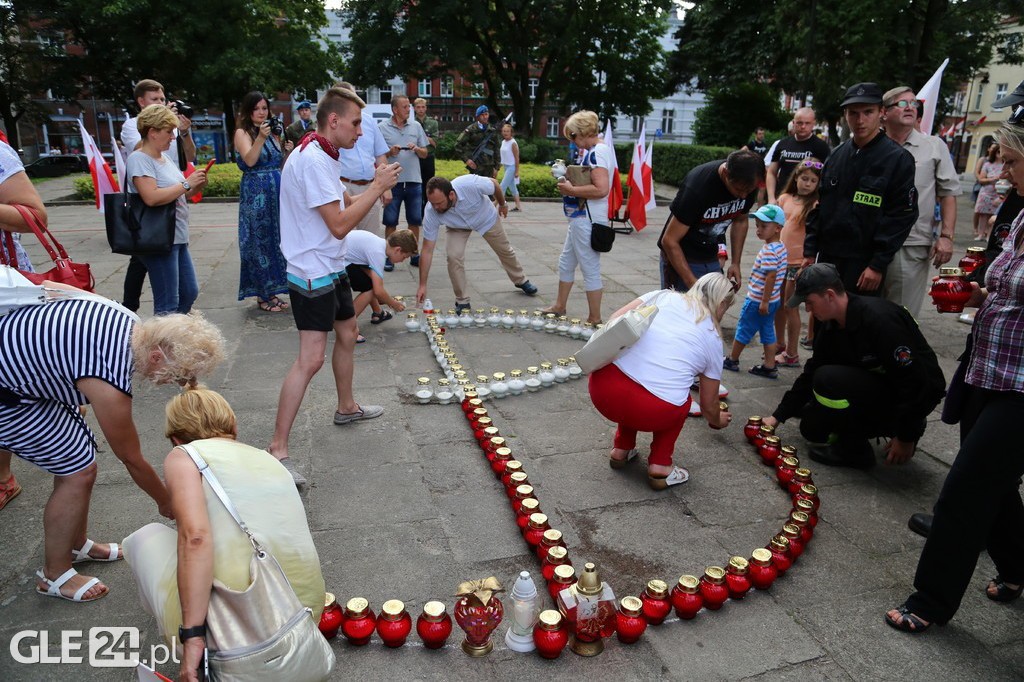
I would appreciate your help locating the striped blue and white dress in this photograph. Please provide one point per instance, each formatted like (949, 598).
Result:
(44, 350)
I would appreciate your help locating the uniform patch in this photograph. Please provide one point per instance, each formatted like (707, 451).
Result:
(902, 356)
(867, 199)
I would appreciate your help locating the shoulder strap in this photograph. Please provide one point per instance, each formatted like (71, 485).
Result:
(219, 491)
(42, 232)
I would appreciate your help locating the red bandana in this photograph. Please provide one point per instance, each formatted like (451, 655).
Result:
(325, 144)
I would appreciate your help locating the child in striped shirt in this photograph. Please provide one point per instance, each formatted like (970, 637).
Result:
(764, 294)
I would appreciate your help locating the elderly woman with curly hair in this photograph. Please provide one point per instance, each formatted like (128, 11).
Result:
(76, 351)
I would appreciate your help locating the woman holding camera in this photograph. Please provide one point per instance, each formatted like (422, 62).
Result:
(155, 177)
(259, 228)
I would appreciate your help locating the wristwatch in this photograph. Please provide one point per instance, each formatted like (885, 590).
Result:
(184, 183)
(189, 633)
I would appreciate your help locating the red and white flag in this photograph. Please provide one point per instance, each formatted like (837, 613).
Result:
(615, 182)
(929, 95)
(103, 181)
(641, 182)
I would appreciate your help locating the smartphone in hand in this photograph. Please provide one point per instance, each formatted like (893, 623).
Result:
(209, 164)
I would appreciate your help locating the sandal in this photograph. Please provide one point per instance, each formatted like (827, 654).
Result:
(268, 306)
(907, 621)
(678, 476)
(1003, 593)
(8, 491)
(274, 300)
(382, 316)
(53, 586)
(360, 338)
(616, 463)
(81, 555)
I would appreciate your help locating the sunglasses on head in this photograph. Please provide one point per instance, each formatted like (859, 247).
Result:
(906, 104)
(816, 165)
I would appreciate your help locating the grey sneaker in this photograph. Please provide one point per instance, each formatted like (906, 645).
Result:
(288, 464)
(364, 412)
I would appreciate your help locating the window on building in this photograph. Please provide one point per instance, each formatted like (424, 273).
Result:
(668, 117)
(977, 99)
(447, 87)
(476, 90)
(532, 85)
(552, 126)
(385, 94)
(363, 95)
(1001, 89)
(426, 88)
(636, 124)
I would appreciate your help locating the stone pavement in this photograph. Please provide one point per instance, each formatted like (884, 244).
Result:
(405, 507)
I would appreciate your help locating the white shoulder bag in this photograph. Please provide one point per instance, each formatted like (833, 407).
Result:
(619, 334)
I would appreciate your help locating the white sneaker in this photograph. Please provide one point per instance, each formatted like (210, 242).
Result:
(723, 392)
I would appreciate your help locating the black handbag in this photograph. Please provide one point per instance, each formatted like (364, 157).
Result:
(601, 237)
(135, 229)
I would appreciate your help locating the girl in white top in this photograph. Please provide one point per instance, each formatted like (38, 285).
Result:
(647, 388)
(510, 161)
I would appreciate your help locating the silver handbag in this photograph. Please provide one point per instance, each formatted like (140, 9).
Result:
(262, 632)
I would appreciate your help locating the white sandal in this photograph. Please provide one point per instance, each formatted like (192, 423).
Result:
(53, 586)
(621, 463)
(82, 554)
(678, 476)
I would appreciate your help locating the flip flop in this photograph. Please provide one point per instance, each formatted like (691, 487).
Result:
(269, 307)
(621, 463)
(678, 476)
(53, 586)
(279, 303)
(82, 555)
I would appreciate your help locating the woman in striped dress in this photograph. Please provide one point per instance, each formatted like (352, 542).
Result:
(67, 353)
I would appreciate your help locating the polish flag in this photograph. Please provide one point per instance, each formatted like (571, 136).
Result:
(648, 175)
(103, 181)
(929, 95)
(615, 182)
(637, 206)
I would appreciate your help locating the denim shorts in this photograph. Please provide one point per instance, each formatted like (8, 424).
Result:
(411, 194)
(753, 322)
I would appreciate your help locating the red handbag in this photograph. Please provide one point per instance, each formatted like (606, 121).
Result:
(64, 270)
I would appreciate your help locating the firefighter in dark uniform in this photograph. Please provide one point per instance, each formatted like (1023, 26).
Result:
(479, 145)
(868, 202)
(872, 374)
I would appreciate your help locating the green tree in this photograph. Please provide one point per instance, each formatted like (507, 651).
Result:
(814, 49)
(730, 115)
(599, 54)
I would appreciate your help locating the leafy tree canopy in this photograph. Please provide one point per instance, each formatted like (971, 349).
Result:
(603, 55)
(730, 115)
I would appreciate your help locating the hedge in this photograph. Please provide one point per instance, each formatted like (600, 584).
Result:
(671, 164)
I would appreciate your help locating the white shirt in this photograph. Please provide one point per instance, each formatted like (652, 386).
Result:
(601, 156)
(10, 163)
(130, 137)
(507, 157)
(473, 209)
(310, 180)
(366, 248)
(358, 163)
(673, 351)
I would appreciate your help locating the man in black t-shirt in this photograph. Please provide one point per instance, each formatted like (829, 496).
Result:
(792, 150)
(713, 198)
(757, 143)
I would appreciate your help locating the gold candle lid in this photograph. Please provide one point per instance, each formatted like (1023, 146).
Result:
(950, 271)
(423, 381)
(799, 518)
(550, 316)
(545, 365)
(538, 520)
(484, 422)
(738, 564)
(482, 379)
(780, 543)
(498, 443)
(552, 535)
(588, 325)
(518, 478)
(463, 381)
(502, 453)
(808, 489)
(564, 573)
(771, 440)
(510, 311)
(433, 611)
(791, 530)
(495, 310)
(549, 620)
(976, 249)
(411, 316)
(357, 606)
(329, 600)
(480, 311)
(530, 504)
(477, 404)
(524, 491)
(803, 473)
(532, 370)
(805, 506)
(563, 318)
(589, 583)
(761, 556)
(562, 362)
(572, 359)
(715, 574)
(754, 419)
(516, 373)
(524, 311)
(537, 313)
(490, 431)
(689, 584)
(631, 606)
(575, 320)
(456, 368)
(512, 466)
(443, 382)
(789, 450)
(723, 406)
(392, 609)
(499, 376)
(557, 553)
(767, 430)
(791, 462)
(657, 588)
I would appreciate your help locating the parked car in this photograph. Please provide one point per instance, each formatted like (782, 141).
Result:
(57, 165)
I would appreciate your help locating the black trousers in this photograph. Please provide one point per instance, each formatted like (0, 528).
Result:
(426, 172)
(850, 403)
(134, 280)
(979, 507)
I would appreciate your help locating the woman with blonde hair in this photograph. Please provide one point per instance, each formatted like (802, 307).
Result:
(153, 176)
(175, 570)
(647, 387)
(584, 205)
(70, 352)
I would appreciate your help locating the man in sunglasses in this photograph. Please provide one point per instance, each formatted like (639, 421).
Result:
(936, 180)
(868, 200)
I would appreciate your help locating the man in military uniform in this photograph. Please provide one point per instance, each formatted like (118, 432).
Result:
(872, 374)
(298, 128)
(432, 128)
(479, 145)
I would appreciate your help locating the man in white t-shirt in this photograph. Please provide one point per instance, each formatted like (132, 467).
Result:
(316, 215)
(148, 91)
(464, 205)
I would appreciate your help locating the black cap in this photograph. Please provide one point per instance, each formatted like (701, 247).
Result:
(1014, 99)
(815, 279)
(863, 93)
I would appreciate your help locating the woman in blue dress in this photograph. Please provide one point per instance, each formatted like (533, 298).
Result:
(259, 231)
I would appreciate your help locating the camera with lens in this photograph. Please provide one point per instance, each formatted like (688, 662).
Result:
(183, 109)
(276, 126)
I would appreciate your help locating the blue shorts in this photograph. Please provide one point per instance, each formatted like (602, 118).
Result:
(410, 194)
(752, 322)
